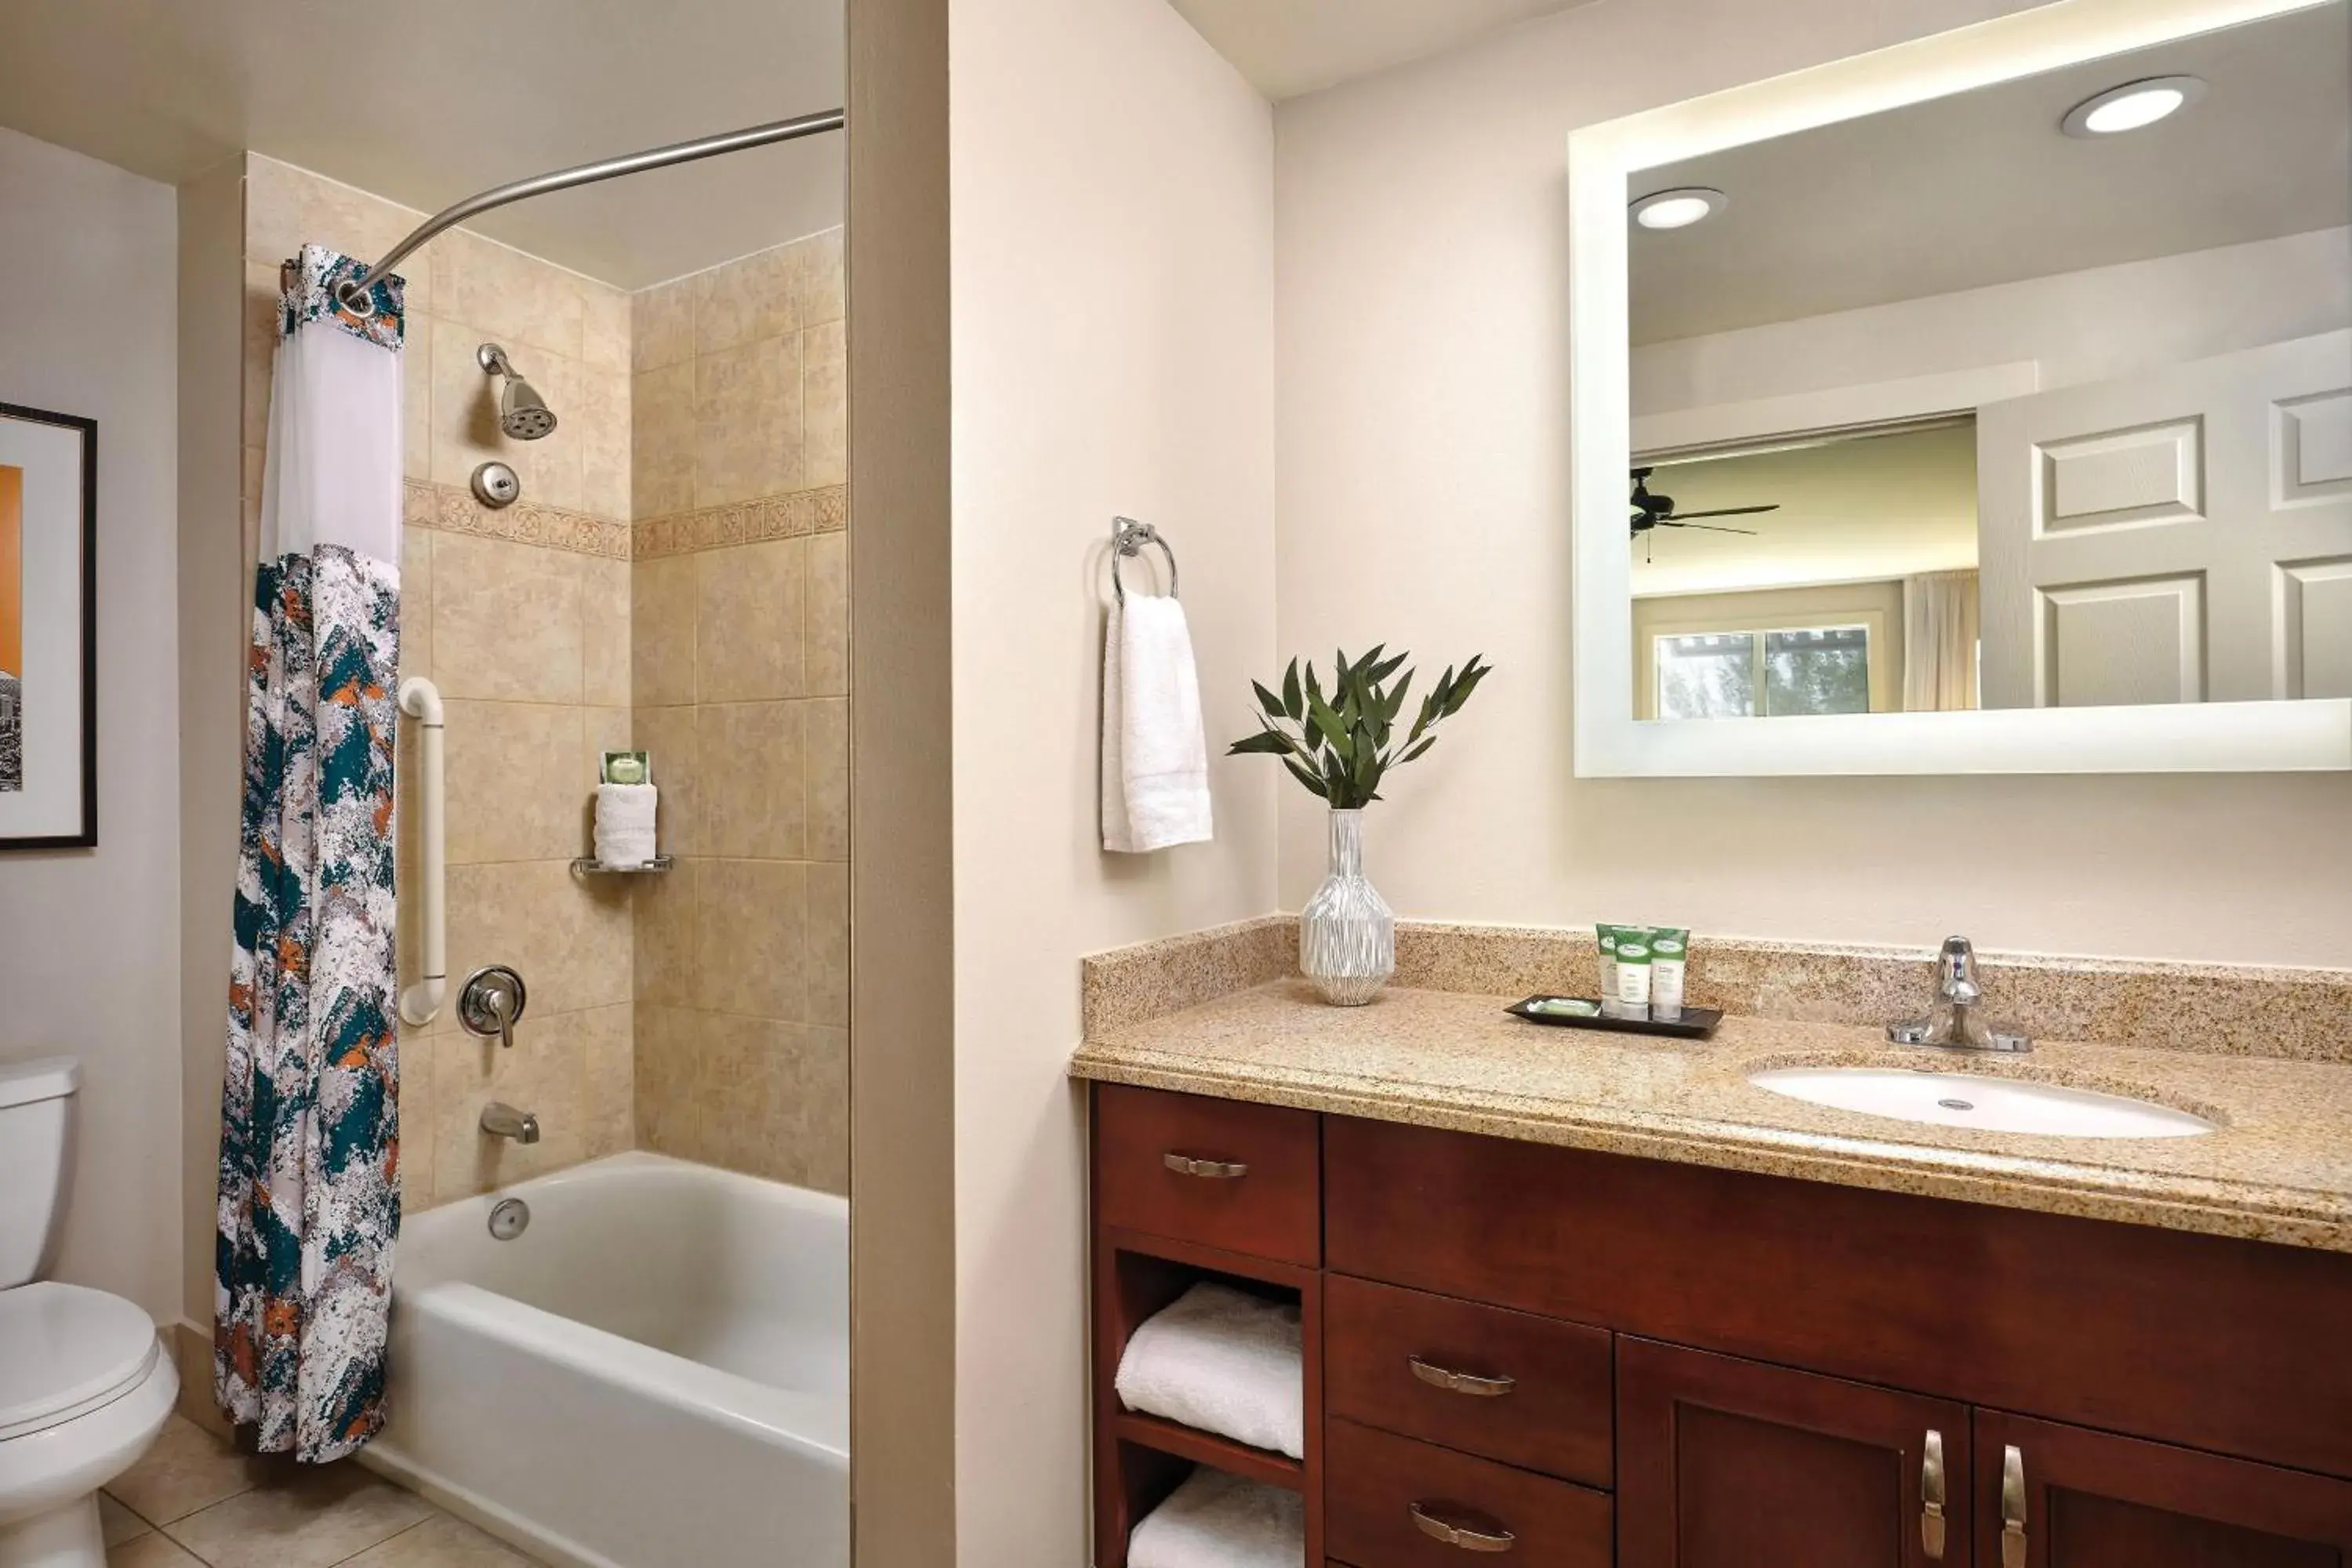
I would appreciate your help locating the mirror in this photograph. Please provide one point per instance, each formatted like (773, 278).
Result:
(2014, 412)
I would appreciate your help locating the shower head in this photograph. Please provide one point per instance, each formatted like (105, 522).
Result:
(523, 414)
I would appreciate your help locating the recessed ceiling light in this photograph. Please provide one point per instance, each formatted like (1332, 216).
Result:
(2132, 105)
(1679, 208)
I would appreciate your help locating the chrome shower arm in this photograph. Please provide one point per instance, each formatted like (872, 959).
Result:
(353, 292)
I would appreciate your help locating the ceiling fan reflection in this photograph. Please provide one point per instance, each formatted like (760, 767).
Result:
(1651, 512)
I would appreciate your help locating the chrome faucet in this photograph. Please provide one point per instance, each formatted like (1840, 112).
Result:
(1955, 1023)
(501, 1120)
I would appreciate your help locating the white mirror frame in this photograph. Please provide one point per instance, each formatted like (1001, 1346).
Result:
(2218, 737)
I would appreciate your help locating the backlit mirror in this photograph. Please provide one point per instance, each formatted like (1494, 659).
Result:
(2034, 395)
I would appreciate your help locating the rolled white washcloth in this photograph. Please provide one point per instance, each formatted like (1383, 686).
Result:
(624, 825)
(1219, 1520)
(1222, 1362)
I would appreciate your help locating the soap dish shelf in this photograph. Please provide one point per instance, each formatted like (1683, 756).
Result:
(589, 866)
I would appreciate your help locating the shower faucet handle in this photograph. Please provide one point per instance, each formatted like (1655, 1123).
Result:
(492, 1003)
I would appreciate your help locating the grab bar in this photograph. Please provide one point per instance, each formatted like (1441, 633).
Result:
(420, 1003)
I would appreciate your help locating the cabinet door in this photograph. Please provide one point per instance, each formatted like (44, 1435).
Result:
(1723, 1463)
(2064, 1497)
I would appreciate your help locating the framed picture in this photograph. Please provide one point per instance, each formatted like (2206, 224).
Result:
(49, 630)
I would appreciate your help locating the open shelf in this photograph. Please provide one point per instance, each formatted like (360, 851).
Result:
(1208, 1448)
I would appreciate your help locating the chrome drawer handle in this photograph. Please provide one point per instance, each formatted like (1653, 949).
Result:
(1460, 1382)
(1931, 1497)
(1214, 1170)
(2012, 1507)
(1466, 1537)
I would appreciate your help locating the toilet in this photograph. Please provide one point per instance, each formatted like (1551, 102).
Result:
(84, 1386)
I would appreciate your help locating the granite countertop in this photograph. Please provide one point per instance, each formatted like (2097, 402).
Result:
(2278, 1169)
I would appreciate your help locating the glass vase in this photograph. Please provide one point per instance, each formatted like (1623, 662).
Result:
(1347, 933)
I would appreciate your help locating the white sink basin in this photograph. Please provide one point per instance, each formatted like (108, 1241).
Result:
(1971, 1099)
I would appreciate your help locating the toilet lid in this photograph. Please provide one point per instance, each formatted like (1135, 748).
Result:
(64, 1350)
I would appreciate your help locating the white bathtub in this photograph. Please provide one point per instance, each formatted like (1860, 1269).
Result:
(654, 1374)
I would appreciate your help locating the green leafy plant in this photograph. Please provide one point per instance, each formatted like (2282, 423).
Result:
(1341, 744)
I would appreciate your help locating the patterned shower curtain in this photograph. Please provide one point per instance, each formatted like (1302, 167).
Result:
(310, 1163)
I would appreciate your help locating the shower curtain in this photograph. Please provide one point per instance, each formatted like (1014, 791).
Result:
(309, 1161)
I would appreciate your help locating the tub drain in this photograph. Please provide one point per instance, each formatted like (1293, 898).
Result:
(509, 1217)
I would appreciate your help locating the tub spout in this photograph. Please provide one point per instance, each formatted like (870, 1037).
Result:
(501, 1120)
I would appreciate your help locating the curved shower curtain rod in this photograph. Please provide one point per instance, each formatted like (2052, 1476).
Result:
(354, 295)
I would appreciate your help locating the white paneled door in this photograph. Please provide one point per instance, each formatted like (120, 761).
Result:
(2180, 536)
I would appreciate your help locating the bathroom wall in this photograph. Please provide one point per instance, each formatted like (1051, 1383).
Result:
(90, 958)
(740, 680)
(1424, 480)
(521, 618)
(1113, 269)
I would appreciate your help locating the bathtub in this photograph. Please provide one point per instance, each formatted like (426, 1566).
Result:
(654, 1374)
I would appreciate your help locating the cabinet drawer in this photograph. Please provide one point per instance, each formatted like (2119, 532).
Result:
(1227, 1174)
(1387, 1501)
(1533, 1392)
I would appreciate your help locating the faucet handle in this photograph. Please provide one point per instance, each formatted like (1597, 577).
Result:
(1956, 971)
(492, 1003)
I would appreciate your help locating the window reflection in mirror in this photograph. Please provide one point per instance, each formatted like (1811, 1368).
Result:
(1967, 405)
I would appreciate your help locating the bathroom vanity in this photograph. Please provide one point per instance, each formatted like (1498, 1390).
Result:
(1580, 1301)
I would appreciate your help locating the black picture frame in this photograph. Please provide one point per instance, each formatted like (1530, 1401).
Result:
(86, 835)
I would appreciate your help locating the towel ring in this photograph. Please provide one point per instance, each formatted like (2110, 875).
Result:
(1128, 538)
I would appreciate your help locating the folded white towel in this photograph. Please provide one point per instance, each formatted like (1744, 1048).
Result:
(1222, 1362)
(1217, 1521)
(1155, 759)
(624, 825)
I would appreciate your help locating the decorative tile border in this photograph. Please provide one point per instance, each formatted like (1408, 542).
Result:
(2240, 1010)
(825, 510)
(454, 511)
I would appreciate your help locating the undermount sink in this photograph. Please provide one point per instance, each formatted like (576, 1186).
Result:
(1972, 1099)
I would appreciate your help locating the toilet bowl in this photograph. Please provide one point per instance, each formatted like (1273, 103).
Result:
(84, 1385)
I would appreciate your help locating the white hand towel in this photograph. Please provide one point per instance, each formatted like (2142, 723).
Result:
(1217, 1521)
(624, 825)
(1155, 758)
(1222, 1362)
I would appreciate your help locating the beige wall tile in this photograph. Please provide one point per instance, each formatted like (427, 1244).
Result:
(606, 672)
(260, 343)
(249, 483)
(419, 1118)
(748, 298)
(568, 937)
(515, 781)
(670, 737)
(415, 600)
(821, 278)
(600, 417)
(827, 654)
(664, 921)
(661, 325)
(828, 944)
(747, 422)
(752, 938)
(416, 397)
(506, 620)
(515, 299)
(464, 410)
(753, 796)
(661, 441)
(604, 328)
(606, 730)
(662, 595)
(608, 1082)
(820, 1130)
(827, 749)
(285, 207)
(543, 1072)
(825, 398)
(750, 608)
(663, 1060)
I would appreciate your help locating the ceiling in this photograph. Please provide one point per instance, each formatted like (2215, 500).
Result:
(431, 100)
(1286, 47)
(1851, 512)
(1982, 188)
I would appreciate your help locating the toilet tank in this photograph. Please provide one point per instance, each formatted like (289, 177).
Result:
(35, 1151)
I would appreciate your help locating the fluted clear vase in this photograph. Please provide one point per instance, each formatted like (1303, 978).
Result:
(1347, 933)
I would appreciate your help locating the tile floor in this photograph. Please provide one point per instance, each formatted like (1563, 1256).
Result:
(196, 1502)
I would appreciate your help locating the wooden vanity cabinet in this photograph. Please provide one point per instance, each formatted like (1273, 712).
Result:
(1580, 1358)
